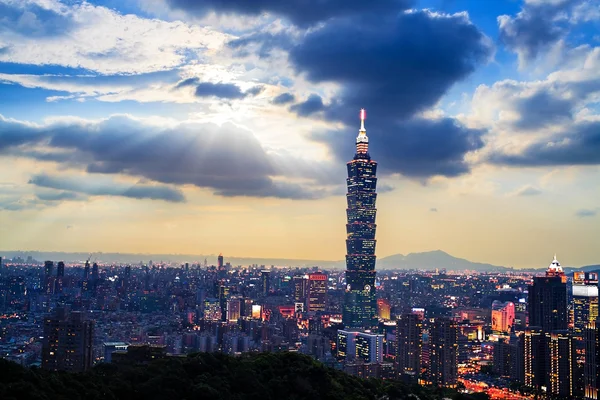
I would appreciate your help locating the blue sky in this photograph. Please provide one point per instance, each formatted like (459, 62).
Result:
(224, 125)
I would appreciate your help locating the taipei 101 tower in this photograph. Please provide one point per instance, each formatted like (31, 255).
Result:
(360, 305)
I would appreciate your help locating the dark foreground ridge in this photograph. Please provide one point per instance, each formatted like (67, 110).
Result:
(262, 376)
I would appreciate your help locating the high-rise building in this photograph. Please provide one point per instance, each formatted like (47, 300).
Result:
(443, 352)
(353, 345)
(548, 300)
(234, 306)
(360, 306)
(591, 372)
(503, 316)
(220, 264)
(317, 292)
(86, 271)
(60, 276)
(300, 288)
(48, 278)
(562, 370)
(409, 335)
(384, 309)
(535, 357)
(212, 309)
(265, 280)
(585, 300)
(223, 296)
(68, 339)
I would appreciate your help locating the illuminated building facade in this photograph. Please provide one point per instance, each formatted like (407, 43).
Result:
(443, 352)
(212, 309)
(384, 309)
(503, 316)
(360, 306)
(535, 357)
(300, 288)
(548, 300)
(68, 340)
(317, 292)
(48, 279)
(585, 300)
(234, 308)
(352, 345)
(562, 369)
(591, 376)
(409, 334)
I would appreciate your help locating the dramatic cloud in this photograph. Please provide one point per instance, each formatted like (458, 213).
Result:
(221, 90)
(535, 28)
(284, 98)
(55, 195)
(418, 148)
(97, 186)
(33, 19)
(227, 159)
(261, 43)
(579, 146)
(312, 105)
(395, 65)
(300, 12)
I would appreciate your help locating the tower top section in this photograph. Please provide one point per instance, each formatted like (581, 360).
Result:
(554, 269)
(362, 141)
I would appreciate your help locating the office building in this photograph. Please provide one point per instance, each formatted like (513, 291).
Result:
(503, 316)
(591, 373)
(234, 306)
(409, 335)
(548, 300)
(68, 339)
(443, 352)
(562, 369)
(360, 306)
(535, 357)
(384, 309)
(300, 288)
(48, 278)
(265, 282)
(212, 309)
(317, 292)
(60, 276)
(354, 345)
(585, 300)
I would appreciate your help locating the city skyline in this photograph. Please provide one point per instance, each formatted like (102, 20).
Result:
(174, 128)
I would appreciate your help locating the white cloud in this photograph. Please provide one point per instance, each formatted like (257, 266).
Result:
(105, 41)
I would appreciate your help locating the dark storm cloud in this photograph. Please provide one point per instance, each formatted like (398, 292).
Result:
(579, 146)
(226, 159)
(534, 29)
(299, 12)
(418, 148)
(284, 98)
(543, 109)
(312, 105)
(229, 91)
(395, 65)
(99, 187)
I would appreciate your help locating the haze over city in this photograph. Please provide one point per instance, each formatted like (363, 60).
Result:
(173, 126)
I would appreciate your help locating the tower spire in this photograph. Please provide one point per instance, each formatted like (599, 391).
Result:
(362, 141)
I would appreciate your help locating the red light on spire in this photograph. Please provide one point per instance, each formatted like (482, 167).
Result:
(363, 114)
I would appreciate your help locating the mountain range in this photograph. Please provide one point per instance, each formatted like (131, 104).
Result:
(429, 260)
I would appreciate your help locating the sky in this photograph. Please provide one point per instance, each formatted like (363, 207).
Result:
(199, 127)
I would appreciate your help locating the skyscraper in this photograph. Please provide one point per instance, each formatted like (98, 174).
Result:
(360, 306)
(60, 275)
(48, 279)
(265, 277)
(317, 292)
(585, 300)
(67, 345)
(591, 374)
(443, 357)
(548, 300)
(503, 316)
(409, 334)
(563, 368)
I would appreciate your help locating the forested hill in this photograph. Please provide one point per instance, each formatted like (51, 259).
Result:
(263, 376)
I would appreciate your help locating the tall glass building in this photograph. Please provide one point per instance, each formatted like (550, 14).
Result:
(360, 305)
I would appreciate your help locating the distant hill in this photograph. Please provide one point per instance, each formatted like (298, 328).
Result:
(434, 259)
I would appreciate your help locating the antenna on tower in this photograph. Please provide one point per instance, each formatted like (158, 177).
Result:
(363, 116)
